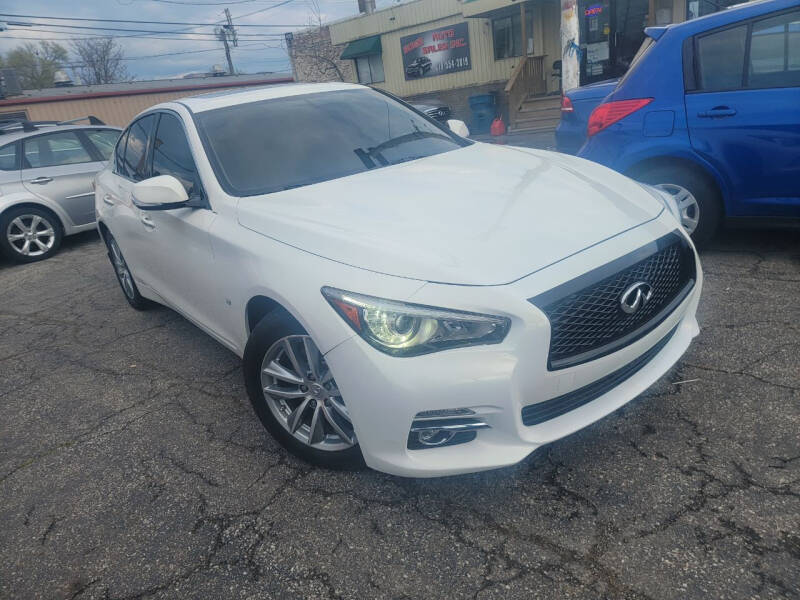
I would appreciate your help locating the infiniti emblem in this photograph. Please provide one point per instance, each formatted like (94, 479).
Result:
(635, 297)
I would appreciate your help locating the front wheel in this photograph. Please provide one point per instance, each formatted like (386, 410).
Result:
(124, 276)
(294, 394)
(697, 199)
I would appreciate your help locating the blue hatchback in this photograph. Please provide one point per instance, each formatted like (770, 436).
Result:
(710, 112)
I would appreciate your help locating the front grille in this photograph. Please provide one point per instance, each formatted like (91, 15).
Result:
(586, 317)
(555, 407)
(440, 114)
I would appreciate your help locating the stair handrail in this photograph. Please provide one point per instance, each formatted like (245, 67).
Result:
(527, 77)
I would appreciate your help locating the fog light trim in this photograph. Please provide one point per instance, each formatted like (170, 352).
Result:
(438, 433)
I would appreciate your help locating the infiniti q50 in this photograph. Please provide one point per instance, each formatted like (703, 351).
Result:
(400, 296)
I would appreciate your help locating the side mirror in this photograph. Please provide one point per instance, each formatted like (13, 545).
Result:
(160, 193)
(458, 127)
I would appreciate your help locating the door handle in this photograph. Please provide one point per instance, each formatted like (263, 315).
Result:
(717, 111)
(108, 199)
(148, 222)
(41, 180)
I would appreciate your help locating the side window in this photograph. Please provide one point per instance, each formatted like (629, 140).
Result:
(171, 154)
(8, 157)
(720, 59)
(775, 52)
(103, 140)
(134, 161)
(119, 154)
(54, 149)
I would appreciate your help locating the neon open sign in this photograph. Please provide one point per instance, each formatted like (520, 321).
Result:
(594, 9)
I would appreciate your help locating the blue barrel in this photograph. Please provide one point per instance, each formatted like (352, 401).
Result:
(483, 112)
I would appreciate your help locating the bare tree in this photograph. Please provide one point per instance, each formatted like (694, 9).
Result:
(99, 61)
(36, 64)
(313, 56)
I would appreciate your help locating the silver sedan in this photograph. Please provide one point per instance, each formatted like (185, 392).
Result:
(46, 175)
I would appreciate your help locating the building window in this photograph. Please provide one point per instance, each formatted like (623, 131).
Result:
(699, 8)
(370, 68)
(507, 34)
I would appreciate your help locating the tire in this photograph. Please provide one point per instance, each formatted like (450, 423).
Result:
(124, 276)
(675, 180)
(316, 442)
(30, 234)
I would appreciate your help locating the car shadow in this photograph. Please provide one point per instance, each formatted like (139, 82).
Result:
(72, 243)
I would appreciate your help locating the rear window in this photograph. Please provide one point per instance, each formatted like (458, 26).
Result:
(647, 44)
(104, 140)
(8, 157)
(273, 145)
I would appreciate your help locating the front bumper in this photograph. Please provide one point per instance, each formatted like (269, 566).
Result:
(384, 393)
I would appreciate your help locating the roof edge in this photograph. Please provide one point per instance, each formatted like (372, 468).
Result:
(17, 100)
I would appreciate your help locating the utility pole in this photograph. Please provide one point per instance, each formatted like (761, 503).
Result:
(227, 35)
(570, 45)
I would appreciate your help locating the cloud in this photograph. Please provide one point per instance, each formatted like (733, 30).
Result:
(253, 55)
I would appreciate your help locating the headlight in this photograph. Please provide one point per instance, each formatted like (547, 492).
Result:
(403, 329)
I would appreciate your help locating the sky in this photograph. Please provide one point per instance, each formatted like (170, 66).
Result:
(260, 49)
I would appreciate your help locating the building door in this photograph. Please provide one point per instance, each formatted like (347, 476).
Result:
(611, 32)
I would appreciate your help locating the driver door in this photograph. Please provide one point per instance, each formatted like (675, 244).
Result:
(180, 261)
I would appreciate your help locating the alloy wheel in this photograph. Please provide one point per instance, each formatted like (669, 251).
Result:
(31, 235)
(687, 205)
(121, 268)
(301, 393)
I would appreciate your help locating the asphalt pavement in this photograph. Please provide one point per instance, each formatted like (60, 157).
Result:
(132, 466)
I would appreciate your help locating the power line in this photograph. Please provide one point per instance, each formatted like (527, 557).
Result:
(133, 21)
(274, 38)
(157, 31)
(265, 9)
(205, 3)
(207, 35)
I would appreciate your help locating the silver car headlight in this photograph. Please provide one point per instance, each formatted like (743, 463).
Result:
(666, 199)
(402, 329)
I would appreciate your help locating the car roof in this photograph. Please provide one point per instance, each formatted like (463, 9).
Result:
(732, 14)
(18, 134)
(214, 100)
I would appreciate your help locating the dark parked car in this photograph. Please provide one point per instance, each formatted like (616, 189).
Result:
(419, 66)
(576, 106)
(434, 109)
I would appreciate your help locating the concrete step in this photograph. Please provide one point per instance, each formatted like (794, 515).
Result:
(543, 101)
(536, 120)
(529, 130)
(531, 109)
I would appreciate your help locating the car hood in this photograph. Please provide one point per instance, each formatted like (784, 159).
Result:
(479, 215)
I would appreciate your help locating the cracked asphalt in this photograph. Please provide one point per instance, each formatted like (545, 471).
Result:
(132, 466)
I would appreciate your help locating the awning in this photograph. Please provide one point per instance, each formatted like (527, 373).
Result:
(362, 47)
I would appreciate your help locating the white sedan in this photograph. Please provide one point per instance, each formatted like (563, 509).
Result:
(401, 296)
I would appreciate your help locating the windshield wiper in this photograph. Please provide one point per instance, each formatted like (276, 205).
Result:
(371, 155)
(409, 158)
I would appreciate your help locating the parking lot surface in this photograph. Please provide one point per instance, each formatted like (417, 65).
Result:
(132, 466)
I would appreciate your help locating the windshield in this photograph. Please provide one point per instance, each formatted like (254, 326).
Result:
(273, 145)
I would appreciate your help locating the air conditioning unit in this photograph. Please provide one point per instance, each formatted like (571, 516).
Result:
(9, 83)
(366, 6)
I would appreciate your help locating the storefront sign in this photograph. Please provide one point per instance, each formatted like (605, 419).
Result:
(436, 52)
